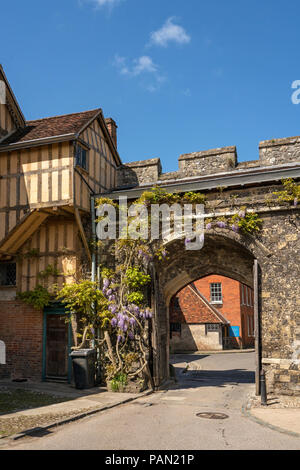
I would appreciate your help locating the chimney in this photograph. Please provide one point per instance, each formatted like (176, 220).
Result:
(112, 129)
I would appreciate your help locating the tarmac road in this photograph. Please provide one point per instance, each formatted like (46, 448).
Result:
(217, 383)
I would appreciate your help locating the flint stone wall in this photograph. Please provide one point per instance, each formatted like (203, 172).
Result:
(277, 249)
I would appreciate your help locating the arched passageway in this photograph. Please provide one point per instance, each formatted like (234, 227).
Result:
(230, 255)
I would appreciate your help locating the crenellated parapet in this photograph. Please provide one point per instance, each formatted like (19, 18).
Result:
(209, 162)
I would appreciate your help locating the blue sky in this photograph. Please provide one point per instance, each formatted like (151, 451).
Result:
(177, 76)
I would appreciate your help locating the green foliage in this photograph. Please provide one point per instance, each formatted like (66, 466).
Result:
(81, 298)
(49, 271)
(194, 198)
(161, 254)
(118, 382)
(291, 192)
(39, 297)
(105, 200)
(135, 278)
(250, 223)
(136, 297)
(107, 273)
(161, 196)
(34, 253)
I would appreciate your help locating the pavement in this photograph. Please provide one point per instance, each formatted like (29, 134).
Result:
(80, 403)
(284, 420)
(207, 383)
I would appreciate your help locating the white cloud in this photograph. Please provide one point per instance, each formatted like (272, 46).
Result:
(169, 32)
(143, 64)
(105, 3)
(141, 67)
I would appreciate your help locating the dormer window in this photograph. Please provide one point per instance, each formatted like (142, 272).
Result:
(81, 157)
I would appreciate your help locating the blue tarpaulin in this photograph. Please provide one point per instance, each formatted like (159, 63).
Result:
(234, 331)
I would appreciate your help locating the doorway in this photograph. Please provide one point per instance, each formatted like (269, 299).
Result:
(56, 346)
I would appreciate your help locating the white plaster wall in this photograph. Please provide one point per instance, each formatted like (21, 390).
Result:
(193, 338)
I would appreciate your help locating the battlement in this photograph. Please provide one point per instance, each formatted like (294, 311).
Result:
(220, 160)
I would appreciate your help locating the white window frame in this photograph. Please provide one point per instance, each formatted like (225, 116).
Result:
(219, 302)
(212, 328)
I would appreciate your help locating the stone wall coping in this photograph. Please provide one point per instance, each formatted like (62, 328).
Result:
(271, 360)
(141, 163)
(208, 153)
(279, 142)
(248, 164)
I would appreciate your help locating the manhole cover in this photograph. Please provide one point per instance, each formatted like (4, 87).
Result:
(210, 415)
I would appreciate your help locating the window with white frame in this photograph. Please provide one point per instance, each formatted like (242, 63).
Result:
(216, 293)
(212, 327)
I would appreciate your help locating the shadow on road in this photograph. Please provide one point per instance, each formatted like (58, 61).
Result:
(180, 358)
(212, 378)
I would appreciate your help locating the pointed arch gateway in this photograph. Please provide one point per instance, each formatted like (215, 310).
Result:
(228, 254)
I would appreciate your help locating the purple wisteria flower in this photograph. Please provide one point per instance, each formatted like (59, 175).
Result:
(132, 321)
(295, 201)
(131, 335)
(221, 224)
(92, 330)
(164, 253)
(235, 228)
(114, 322)
(208, 226)
(113, 308)
(242, 214)
(106, 283)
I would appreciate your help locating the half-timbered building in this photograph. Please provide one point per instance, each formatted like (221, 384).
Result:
(48, 169)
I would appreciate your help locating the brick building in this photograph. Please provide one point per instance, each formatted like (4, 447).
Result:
(214, 312)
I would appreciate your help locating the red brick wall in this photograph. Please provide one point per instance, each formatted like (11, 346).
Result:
(231, 307)
(189, 310)
(21, 328)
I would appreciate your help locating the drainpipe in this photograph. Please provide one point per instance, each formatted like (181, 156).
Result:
(94, 260)
(93, 278)
(93, 238)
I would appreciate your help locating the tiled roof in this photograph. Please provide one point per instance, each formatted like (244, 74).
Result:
(218, 315)
(51, 127)
(195, 308)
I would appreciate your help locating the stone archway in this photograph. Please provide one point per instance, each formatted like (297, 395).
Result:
(228, 254)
